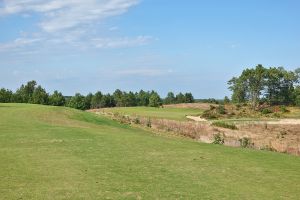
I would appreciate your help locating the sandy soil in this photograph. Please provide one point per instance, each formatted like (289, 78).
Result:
(197, 119)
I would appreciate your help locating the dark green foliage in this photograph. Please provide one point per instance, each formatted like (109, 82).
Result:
(189, 98)
(180, 98)
(57, 99)
(39, 96)
(221, 110)
(77, 102)
(170, 99)
(31, 93)
(266, 111)
(96, 100)
(5, 96)
(155, 100)
(88, 101)
(275, 86)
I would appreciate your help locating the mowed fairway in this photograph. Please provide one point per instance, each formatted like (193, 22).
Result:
(61, 153)
(163, 113)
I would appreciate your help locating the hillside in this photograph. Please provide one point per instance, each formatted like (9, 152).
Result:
(60, 153)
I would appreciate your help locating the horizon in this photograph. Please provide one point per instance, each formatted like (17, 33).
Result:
(141, 44)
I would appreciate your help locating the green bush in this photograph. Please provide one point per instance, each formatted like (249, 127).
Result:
(284, 109)
(225, 125)
(221, 110)
(218, 139)
(266, 111)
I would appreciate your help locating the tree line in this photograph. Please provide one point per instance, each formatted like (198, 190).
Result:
(272, 86)
(36, 94)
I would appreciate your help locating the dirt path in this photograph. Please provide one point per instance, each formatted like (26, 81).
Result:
(197, 119)
(285, 122)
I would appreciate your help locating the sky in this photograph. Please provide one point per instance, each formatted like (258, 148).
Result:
(181, 45)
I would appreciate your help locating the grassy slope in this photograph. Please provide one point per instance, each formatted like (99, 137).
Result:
(165, 113)
(60, 153)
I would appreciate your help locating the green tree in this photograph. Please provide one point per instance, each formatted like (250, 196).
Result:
(57, 99)
(96, 100)
(77, 102)
(180, 98)
(5, 96)
(143, 98)
(155, 100)
(188, 97)
(39, 96)
(170, 99)
(88, 101)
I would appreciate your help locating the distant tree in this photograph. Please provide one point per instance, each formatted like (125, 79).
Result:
(119, 98)
(180, 98)
(130, 99)
(226, 100)
(143, 98)
(107, 101)
(88, 101)
(155, 100)
(39, 96)
(25, 92)
(5, 96)
(170, 99)
(57, 99)
(96, 100)
(188, 97)
(77, 102)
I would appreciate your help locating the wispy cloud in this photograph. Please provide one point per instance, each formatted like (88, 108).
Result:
(69, 22)
(66, 14)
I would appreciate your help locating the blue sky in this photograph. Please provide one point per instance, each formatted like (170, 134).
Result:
(190, 46)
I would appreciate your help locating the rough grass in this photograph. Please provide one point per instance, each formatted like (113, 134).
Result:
(60, 153)
(162, 113)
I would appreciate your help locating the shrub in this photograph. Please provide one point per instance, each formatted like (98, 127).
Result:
(218, 139)
(284, 109)
(221, 110)
(225, 125)
(266, 111)
(209, 115)
(148, 124)
(245, 142)
(136, 120)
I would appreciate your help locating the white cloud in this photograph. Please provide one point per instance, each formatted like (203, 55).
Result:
(70, 22)
(65, 14)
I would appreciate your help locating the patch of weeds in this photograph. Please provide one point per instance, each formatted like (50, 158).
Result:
(209, 115)
(136, 120)
(283, 109)
(218, 139)
(266, 111)
(225, 125)
(148, 124)
(245, 142)
(221, 110)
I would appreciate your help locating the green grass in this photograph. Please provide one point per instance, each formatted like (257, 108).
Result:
(61, 153)
(164, 113)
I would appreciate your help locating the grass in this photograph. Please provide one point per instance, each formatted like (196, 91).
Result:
(224, 125)
(61, 153)
(164, 113)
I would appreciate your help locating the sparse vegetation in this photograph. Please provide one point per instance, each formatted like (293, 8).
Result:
(218, 139)
(225, 125)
